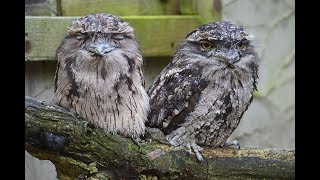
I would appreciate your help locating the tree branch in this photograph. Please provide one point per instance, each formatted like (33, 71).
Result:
(90, 152)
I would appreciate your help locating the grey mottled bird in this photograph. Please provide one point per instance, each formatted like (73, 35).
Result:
(99, 74)
(200, 96)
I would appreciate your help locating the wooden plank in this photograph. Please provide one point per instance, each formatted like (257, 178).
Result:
(209, 10)
(157, 35)
(43, 35)
(188, 7)
(119, 7)
(41, 7)
(161, 35)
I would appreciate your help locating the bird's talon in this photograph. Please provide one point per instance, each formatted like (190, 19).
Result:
(232, 144)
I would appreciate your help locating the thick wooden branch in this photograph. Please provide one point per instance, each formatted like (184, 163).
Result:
(92, 153)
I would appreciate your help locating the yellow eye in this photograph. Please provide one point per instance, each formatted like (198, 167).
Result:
(205, 45)
(241, 45)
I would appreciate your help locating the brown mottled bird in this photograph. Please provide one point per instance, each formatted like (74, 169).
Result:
(99, 75)
(200, 96)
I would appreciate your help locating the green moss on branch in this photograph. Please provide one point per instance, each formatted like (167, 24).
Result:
(90, 152)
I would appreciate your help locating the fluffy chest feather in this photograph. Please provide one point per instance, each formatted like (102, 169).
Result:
(114, 100)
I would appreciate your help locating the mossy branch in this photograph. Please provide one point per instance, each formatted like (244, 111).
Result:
(90, 153)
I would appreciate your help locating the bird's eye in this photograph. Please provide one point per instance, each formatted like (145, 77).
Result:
(118, 37)
(241, 45)
(205, 45)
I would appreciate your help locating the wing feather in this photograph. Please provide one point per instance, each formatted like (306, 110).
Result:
(173, 95)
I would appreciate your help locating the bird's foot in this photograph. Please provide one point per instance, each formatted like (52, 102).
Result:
(175, 139)
(137, 141)
(155, 134)
(233, 144)
(196, 149)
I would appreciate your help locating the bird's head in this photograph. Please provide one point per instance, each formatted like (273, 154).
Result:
(97, 37)
(220, 43)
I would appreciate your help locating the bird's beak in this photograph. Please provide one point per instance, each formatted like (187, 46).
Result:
(228, 56)
(101, 47)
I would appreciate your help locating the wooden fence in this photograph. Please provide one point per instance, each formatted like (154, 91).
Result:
(160, 25)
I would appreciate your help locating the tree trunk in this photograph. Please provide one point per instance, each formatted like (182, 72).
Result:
(91, 153)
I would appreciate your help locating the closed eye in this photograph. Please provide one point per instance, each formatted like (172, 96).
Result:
(118, 36)
(80, 36)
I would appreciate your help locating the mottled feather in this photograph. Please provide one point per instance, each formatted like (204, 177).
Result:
(99, 75)
(200, 97)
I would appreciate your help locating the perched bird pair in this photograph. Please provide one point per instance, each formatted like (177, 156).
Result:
(197, 100)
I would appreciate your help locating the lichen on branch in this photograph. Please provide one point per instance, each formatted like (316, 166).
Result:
(90, 152)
